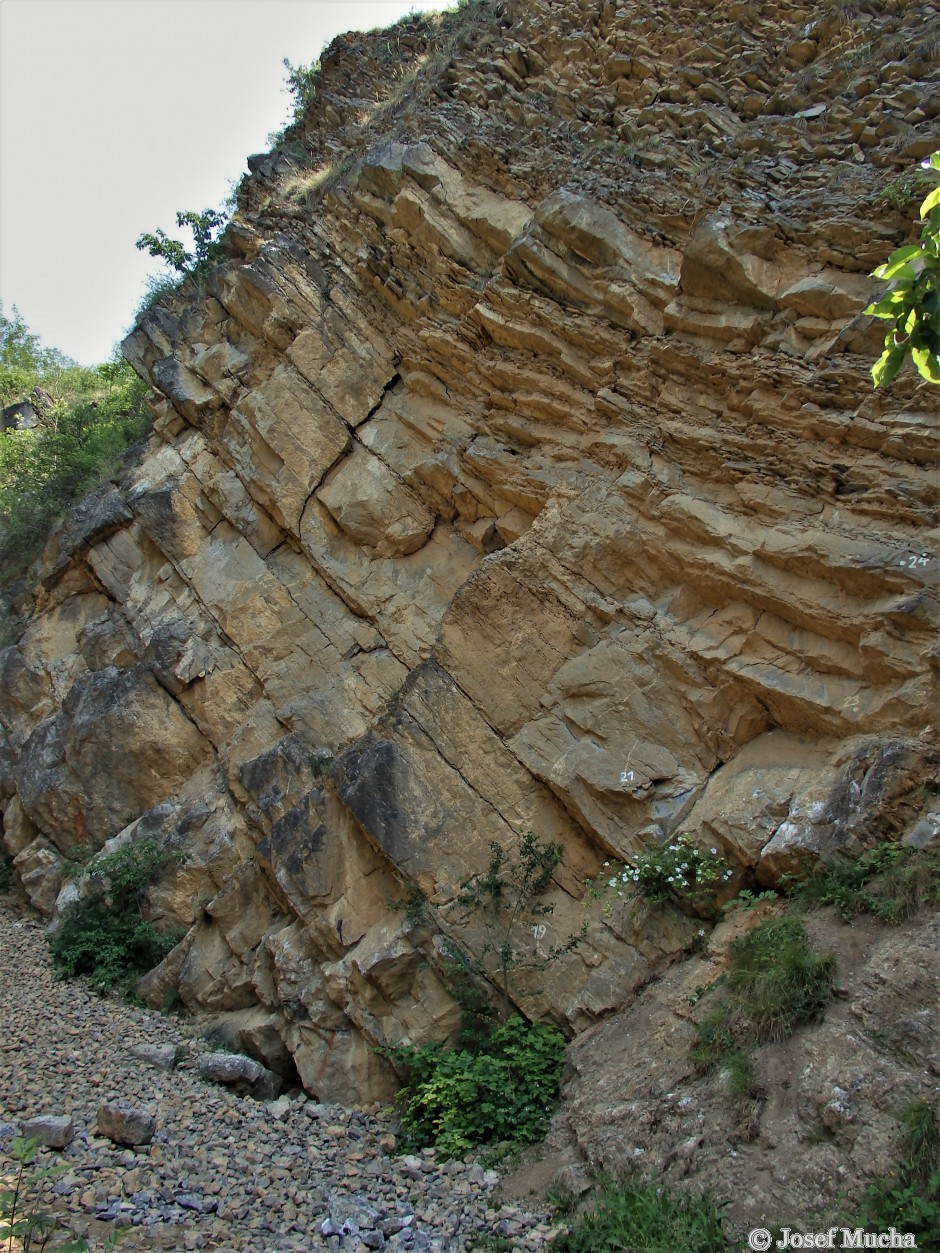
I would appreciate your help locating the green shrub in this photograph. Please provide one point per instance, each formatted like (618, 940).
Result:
(105, 935)
(458, 1100)
(776, 981)
(774, 984)
(508, 899)
(737, 1073)
(893, 882)
(911, 305)
(907, 1206)
(648, 1218)
(203, 226)
(714, 1039)
(679, 872)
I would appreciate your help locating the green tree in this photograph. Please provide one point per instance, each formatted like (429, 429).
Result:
(912, 304)
(96, 414)
(173, 252)
(24, 362)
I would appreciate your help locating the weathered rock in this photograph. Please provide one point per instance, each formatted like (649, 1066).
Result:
(118, 746)
(162, 1056)
(241, 1073)
(55, 1131)
(125, 1123)
(41, 871)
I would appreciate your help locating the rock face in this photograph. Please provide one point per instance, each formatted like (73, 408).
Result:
(518, 468)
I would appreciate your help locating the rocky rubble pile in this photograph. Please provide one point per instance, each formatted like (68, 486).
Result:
(221, 1172)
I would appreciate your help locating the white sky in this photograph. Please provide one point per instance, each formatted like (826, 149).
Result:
(114, 114)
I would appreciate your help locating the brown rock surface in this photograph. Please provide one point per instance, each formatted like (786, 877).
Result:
(517, 468)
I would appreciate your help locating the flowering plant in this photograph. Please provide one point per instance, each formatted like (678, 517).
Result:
(679, 871)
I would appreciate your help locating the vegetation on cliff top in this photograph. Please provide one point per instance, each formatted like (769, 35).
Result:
(85, 418)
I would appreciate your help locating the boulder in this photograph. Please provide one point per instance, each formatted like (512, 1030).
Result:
(244, 1074)
(55, 1131)
(125, 1123)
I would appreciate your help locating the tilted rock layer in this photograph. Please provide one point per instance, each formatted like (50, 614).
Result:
(517, 469)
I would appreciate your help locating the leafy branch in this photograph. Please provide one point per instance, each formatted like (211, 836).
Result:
(204, 227)
(508, 896)
(912, 304)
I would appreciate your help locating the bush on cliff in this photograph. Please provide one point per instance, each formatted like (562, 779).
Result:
(909, 1199)
(105, 934)
(775, 984)
(458, 1100)
(911, 306)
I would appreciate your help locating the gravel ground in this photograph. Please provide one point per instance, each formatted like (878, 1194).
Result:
(222, 1172)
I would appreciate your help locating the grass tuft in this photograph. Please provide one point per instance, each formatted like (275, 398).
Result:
(647, 1217)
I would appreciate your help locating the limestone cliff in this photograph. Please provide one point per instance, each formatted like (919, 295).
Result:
(518, 468)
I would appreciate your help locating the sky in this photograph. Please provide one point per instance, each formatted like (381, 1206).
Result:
(114, 114)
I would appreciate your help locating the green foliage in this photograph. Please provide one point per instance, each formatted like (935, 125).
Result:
(156, 287)
(414, 906)
(912, 304)
(920, 1130)
(775, 983)
(737, 1073)
(909, 1199)
(680, 873)
(6, 873)
(96, 414)
(913, 1207)
(477, 1015)
(301, 84)
(90, 416)
(746, 899)
(458, 1100)
(905, 189)
(714, 1039)
(893, 882)
(105, 934)
(649, 1218)
(204, 227)
(25, 363)
(508, 898)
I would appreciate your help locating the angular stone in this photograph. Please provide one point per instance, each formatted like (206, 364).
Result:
(374, 507)
(162, 1056)
(55, 1131)
(242, 1073)
(119, 745)
(125, 1123)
